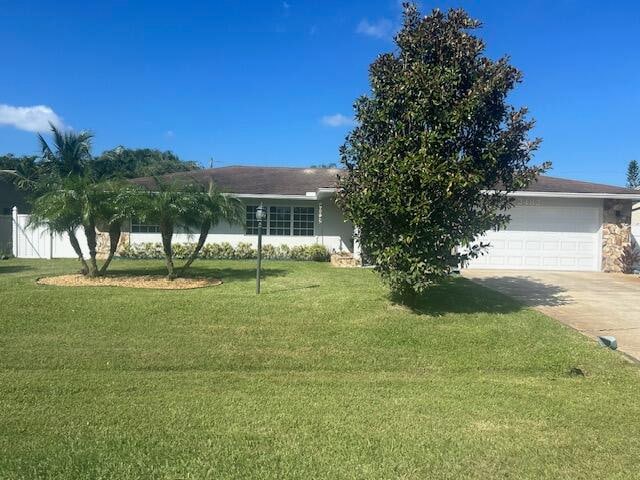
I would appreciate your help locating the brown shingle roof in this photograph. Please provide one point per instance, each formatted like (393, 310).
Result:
(299, 181)
(563, 185)
(257, 180)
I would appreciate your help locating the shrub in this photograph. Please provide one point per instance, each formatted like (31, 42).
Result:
(318, 253)
(142, 250)
(226, 251)
(183, 250)
(244, 251)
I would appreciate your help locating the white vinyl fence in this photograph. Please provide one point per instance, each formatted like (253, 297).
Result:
(39, 242)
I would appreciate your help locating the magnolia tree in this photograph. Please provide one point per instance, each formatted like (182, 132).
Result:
(433, 137)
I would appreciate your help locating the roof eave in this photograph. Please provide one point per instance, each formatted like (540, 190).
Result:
(531, 193)
(274, 196)
(323, 192)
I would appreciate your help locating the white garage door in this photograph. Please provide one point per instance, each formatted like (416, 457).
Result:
(545, 238)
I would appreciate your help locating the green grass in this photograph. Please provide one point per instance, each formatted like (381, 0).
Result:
(321, 376)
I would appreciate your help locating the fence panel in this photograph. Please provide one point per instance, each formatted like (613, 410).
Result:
(62, 246)
(30, 241)
(39, 242)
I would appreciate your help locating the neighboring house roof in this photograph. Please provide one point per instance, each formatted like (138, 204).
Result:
(266, 181)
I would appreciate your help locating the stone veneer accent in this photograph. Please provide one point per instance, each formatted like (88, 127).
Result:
(344, 260)
(616, 233)
(102, 247)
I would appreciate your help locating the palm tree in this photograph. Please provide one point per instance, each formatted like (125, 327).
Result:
(65, 175)
(71, 154)
(116, 203)
(213, 207)
(61, 211)
(70, 158)
(168, 205)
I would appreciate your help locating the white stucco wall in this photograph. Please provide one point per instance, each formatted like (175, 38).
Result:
(635, 214)
(333, 232)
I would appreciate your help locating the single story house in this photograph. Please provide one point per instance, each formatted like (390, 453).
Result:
(556, 224)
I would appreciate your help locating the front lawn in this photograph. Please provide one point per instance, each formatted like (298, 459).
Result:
(322, 376)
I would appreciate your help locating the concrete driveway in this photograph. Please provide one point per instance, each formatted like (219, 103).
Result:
(592, 303)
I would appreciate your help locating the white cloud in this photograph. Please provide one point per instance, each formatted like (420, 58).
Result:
(31, 119)
(338, 120)
(169, 134)
(382, 28)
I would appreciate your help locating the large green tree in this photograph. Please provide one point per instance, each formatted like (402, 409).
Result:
(434, 136)
(122, 162)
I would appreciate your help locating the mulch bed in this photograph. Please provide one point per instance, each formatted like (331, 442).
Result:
(130, 281)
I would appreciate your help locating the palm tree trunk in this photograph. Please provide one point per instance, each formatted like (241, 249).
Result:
(115, 231)
(90, 233)
(76, 248)
(204, 233)
(166, 232)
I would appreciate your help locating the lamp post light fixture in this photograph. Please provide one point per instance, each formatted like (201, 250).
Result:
(260, 216)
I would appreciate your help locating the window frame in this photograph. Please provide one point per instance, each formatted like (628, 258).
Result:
(251, 225)
(137, 227)
(310, 218)
(279, 224)
(254, 222)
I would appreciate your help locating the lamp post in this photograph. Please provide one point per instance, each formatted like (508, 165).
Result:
(260, 216)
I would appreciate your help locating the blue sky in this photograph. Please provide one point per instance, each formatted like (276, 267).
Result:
(273, 82)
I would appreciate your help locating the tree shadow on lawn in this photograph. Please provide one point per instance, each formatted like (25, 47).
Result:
(527, 290)
(459, 295)
(291, 289)
(14, 268)
(227, 275)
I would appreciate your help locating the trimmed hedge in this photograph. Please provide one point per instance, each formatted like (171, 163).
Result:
(226, 251)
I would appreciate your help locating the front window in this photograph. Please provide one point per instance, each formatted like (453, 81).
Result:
(279, 220)
(252, 223)
(303, 221)
(138, 227)
(282, 220)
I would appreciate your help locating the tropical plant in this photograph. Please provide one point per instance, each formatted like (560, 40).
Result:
(70, 154)
(168, 205)
(212, 208)
(65, 171)
(60, 210)
(435, 134)
(66, 195)
(116, 202)
(22, 171)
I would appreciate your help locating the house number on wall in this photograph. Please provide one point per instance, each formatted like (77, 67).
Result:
(528, 202)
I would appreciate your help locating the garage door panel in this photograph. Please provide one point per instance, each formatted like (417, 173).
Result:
(552, 238)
